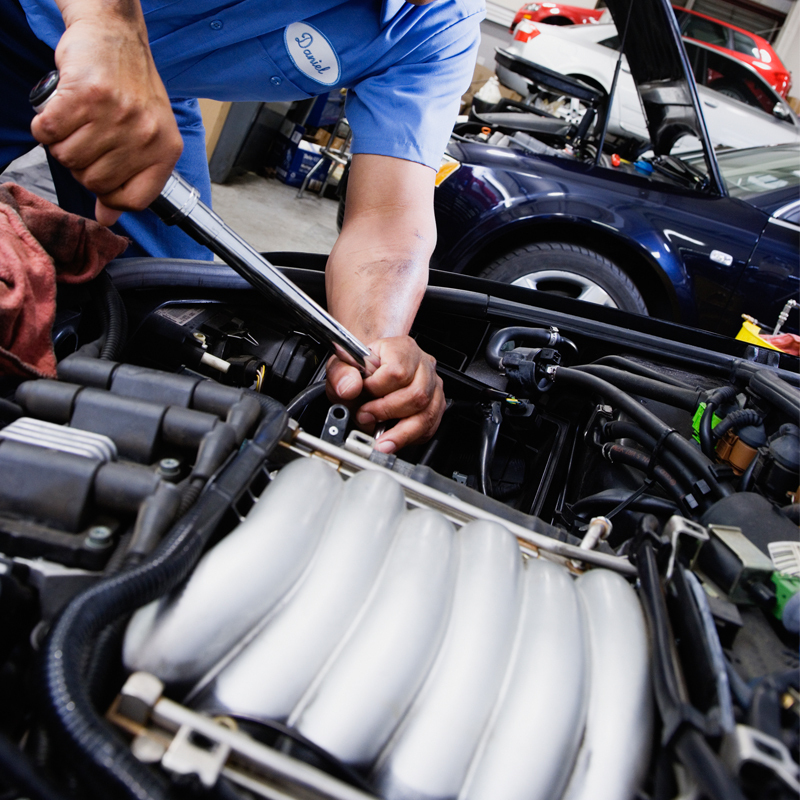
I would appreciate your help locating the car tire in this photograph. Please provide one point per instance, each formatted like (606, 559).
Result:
(569, 271)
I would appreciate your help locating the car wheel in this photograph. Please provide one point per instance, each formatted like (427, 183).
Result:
(729, 90)
(569, 271)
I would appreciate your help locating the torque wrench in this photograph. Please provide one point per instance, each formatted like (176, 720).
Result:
(179, 204)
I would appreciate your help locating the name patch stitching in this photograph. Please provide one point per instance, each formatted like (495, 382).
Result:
(312, 53)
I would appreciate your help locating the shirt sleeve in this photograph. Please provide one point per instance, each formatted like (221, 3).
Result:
(408, 110)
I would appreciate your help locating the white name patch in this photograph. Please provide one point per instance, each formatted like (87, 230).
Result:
(312, 53)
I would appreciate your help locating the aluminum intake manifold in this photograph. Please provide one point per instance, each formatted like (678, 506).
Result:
(436, 661)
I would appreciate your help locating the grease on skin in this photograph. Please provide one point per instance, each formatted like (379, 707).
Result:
(375, 318)
(126, 9)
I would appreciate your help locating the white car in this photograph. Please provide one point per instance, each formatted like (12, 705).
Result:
(741, 109)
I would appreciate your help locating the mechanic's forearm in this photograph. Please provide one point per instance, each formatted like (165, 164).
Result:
(378, 270)
(375, 290)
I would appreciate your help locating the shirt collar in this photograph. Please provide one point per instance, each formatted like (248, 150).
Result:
(389, 10)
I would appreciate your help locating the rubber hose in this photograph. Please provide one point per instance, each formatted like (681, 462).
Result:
(736, 420)
(603, 501)
(641, 369)
(18, 771)
(115, 318)
(190, 495)
(490, 429)
(656, 427)
(267, 403)
(747, 478)
(714, 399)
(687, 399)
(621, 429)
(69, 645)
(533, 337)
(783, 396)
(665, 676)
(305, 398)
(619, 454)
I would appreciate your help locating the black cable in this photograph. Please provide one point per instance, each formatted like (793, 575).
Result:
(256, 728)
(115, 318)
(656, 427)
(532, 337)
(492, 417)
(713, 401)
(784, 397)
(687, 399)
(601, 502)
(622, 429)
(736, 420)
(747, 478)
(619, 454)
(305, 398)
(641, 369)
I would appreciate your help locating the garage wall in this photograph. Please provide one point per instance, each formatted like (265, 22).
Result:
(787, 46)
(764, 19)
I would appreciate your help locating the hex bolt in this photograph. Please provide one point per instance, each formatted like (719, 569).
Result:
(169, 468)
(99, 537)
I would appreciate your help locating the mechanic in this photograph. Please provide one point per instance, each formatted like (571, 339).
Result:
(124, 115)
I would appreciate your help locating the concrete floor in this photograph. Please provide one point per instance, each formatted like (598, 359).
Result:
(263, 211)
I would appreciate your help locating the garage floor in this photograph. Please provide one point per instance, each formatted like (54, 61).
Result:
(265, 212)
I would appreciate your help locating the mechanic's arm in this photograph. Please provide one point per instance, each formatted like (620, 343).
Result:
(110, 122)
(375, 279)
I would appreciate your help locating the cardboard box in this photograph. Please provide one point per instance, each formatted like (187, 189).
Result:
(298, 161)
(479, 77)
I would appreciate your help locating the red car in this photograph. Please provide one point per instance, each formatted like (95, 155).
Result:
(744, 45)
(556, 14)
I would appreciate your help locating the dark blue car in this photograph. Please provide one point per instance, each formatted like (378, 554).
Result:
(700, 239)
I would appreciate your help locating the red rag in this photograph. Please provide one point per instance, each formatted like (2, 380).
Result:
(788, 342)
(41, 243)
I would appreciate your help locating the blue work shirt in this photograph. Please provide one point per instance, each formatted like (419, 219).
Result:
(405, 66)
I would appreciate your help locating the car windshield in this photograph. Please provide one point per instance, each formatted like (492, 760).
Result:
(752, 172)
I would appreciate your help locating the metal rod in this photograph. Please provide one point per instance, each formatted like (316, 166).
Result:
(453, 508)
(179, 204)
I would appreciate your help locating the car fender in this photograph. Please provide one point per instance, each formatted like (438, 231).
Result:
(690, 247)
(508, 223)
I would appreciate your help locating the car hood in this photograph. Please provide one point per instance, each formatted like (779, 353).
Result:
(659, 65)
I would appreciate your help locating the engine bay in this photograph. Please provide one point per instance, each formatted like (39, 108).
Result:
(212, 585)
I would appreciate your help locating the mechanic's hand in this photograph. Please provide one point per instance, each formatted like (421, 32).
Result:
(110, 123)
(406, 388)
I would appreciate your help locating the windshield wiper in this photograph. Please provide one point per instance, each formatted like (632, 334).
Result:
(675, 168)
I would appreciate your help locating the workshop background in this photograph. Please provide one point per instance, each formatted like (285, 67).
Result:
(260, 154)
